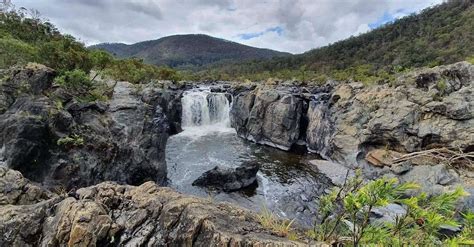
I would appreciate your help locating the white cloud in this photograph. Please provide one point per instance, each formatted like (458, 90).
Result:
(306, 24)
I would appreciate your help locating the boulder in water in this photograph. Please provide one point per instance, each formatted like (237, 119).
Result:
(228, 179)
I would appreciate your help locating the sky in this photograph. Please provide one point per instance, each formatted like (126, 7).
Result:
(293, 26)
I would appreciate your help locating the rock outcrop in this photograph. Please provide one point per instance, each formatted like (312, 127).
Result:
(228, 179)
(423, 109)
(109, 214)
(428, 108)
(56, 140)
(268, 116)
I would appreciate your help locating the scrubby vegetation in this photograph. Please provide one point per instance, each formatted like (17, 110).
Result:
(345, 216)
(25, 37)
(438, 35)
(70, 141)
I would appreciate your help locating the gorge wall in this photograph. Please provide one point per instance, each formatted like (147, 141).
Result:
(120, 140)
(342, 122)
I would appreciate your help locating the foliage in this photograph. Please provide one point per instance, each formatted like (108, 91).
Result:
(438, 35)
(470, 59)
(188, 52)
(280, 227)
(78, 84)
(13, 51)
(345, 215)
(24, 37)
(71, 141)
(135, 71)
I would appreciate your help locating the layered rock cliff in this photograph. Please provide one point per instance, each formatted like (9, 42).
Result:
(342, 122)
(59, 141)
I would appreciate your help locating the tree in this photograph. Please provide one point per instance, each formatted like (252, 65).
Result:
(100, 60)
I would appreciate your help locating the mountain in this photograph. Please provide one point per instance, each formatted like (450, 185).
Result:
(188, 51)
(438, 35)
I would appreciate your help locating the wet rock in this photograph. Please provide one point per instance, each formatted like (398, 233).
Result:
(228, 179)
(109, 214)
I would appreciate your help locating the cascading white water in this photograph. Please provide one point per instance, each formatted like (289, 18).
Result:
(204, 108)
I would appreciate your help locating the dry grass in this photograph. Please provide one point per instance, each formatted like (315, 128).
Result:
(280, 227)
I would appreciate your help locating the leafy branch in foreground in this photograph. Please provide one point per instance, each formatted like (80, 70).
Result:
(345, 215)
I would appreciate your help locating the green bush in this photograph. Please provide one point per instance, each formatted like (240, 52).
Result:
(345, 216)
(76, 80)
(13, 51)
(78, 83)
(71, 141)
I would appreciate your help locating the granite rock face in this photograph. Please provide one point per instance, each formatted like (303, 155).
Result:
(429, 108)
(268, 116)
(343, 122)
(109, 214)
(55, 140)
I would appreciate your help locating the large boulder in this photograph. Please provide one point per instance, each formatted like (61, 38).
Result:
(59, 141)
(109, 214)
(229, 179)
(268, 116)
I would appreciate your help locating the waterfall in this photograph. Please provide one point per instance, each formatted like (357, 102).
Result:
(204, 108)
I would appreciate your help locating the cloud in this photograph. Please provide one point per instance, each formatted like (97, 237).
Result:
(247, 36)
(286, 25)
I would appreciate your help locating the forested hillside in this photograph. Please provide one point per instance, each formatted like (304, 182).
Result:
(25, 37)
(189, 51)
(439, 35)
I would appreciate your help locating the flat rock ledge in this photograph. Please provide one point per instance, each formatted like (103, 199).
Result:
(109, 214)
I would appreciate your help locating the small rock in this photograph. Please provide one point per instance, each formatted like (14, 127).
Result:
(401, 168)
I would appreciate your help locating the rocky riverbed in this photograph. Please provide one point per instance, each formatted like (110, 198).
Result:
(357, 126)
(68, 151)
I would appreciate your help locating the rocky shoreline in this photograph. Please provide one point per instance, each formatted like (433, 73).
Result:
(357, 126)
(109, 214)
(69, 150)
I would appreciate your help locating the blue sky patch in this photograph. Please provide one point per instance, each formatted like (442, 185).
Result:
(385, 18)
(247, 36)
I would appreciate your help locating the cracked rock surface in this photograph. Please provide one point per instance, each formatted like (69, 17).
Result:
(109, 214)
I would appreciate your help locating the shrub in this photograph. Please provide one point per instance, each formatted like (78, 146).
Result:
(441, 85)
(78, 83)
(345, 215)
(470, 59)
(13, 51)
(76, 80)
(71, 141)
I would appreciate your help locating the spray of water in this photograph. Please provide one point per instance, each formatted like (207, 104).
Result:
(204, 111)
